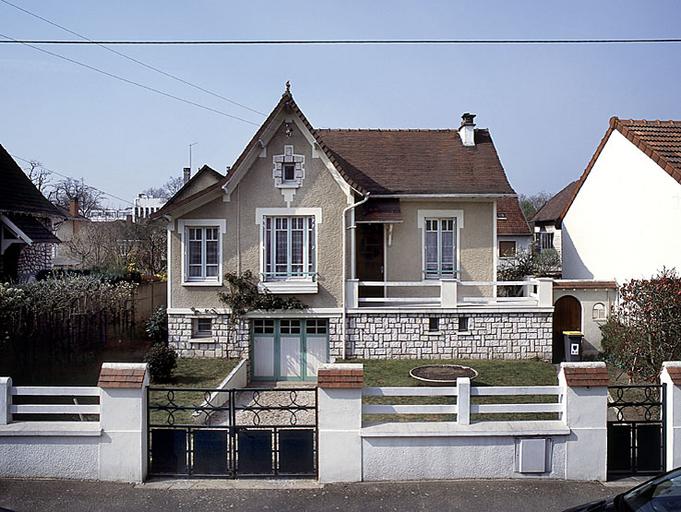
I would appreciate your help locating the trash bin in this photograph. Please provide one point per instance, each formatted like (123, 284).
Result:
(573, 345)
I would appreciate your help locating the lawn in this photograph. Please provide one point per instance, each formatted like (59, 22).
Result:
(395, 372)
(190, 373)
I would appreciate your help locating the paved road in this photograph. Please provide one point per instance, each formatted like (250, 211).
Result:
(478, 496)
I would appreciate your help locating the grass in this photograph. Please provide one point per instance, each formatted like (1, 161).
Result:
(190, 373)
(395, 372)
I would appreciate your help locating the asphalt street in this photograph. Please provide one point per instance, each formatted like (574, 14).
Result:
(469, 495)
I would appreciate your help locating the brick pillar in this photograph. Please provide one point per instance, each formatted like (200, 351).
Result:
(123, 418)
(340, 421)
(670, 378)
(585, 401)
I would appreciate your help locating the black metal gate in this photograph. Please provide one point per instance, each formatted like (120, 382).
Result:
(250, 432)
(636, 431)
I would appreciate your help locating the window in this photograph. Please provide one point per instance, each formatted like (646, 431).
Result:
(289, 326)
(289, 248)
(598, 312)
(202, 327)
(263, 326)
(544, 240)
(507, 248)
(316, 326)
(502, 216)
(433, 324)
(289, 172)
(203, 253)
(463, 324)
(439, 248)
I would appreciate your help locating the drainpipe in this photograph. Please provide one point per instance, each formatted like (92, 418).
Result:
(344, 314)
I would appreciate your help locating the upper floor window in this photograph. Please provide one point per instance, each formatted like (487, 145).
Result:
(290, 246)
(289, 173)
(544, 240)
(440, 248)
(202, 257)
(507, 248)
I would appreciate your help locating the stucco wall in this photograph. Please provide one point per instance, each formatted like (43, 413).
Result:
(241, 243)
(590, 327)
(624, 220)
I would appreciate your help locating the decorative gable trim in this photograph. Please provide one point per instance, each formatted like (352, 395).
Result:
(288, 184)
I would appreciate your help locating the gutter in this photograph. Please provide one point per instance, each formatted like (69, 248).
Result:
(343, 272)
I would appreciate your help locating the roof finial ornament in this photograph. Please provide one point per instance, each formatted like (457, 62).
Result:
(288, 87)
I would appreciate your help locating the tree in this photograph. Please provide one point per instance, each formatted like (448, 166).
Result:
(530, 204)
(41, 177)
(644, 330)
(524, 264)
(167, 190)
(68, 189)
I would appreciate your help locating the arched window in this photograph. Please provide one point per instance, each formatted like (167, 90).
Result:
(598, 312)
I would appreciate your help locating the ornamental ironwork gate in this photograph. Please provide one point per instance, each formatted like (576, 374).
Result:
(250, 432)
(636, 431)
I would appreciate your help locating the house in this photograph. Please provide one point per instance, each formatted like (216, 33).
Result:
(546, 222)
(513, 233)
(69, 227)
(388, 236)
(622, 220)
(26, 219)
(144, 206)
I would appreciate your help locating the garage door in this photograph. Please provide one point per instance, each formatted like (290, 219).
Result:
(289, 349)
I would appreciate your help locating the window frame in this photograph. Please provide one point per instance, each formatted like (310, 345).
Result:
(457, 217)
(515, 248)
(197, 333)
(308, 262)
(183, 227)
(441, 274)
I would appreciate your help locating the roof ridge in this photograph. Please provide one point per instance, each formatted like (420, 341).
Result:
(653, 122)
(408, 130)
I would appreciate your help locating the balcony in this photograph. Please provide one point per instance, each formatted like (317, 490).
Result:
(449, 294)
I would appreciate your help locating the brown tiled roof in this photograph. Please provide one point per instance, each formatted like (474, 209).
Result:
(34, 229)
(674, 374)
(418, 161)
(550, 212)
(659, 140)
(340, 378)
(380, 210)
(586, 377)
(567, 284)
(18, 193)
(510, 217)
(121, 377)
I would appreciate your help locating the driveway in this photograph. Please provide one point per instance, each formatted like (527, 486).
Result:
(478, 496)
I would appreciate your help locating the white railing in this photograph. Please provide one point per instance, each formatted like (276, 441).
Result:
(42, 396)
(464, 406)
(452, 293)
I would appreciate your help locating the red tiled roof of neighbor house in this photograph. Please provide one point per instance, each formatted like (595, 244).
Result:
(583, 284)
(510, 218)
(17, 193)
(550, 212)
(659, 140)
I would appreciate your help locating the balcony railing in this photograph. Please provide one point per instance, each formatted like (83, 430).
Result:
(449, 293)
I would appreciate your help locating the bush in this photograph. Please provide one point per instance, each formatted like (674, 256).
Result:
(156, 326)
(645, 328)
(162, 360)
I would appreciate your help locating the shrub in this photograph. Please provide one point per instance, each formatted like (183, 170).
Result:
(645, 328)
(156, 326)
(162, 360)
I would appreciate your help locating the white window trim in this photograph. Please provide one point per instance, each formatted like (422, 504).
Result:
(296, 285)
(182, 226)
(515, 254)
(439, 214)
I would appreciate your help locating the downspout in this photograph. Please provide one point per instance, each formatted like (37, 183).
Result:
(169, 229)
(343, 272)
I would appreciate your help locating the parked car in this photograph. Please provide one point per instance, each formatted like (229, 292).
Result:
(660, 494)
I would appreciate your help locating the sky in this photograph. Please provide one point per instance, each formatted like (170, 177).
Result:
(547, 107)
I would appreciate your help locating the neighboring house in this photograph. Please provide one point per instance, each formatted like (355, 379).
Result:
(67, 229)
(26, 219)
(622, 221)
(109, 214)
(513, 233)
(388, 236)
(145, 206)
(546, 222)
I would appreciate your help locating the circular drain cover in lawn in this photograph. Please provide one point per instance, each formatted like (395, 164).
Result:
(442, 374)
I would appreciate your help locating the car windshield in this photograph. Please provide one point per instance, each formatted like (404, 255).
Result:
(659, 495)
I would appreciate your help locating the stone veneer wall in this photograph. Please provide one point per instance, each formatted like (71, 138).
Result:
(490, 336)
(226, 341)
(33, 259)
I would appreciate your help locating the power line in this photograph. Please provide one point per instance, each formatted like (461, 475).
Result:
(311, 42)
(132, 82)
(132, 59)
(71, 178)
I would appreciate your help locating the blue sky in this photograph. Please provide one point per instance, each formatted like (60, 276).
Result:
(547, 107)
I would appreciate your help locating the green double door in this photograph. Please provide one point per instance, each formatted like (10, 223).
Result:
(289, 349)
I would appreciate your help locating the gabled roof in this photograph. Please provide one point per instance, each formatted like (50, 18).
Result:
(659, 140)
(18, 193)
(403, 162)
(513, 221)
(389, 162)
(174, 201)
(551, 210)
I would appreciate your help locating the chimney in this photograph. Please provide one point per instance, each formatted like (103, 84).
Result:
(187, 173)
(467, 129)
(74, 206)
